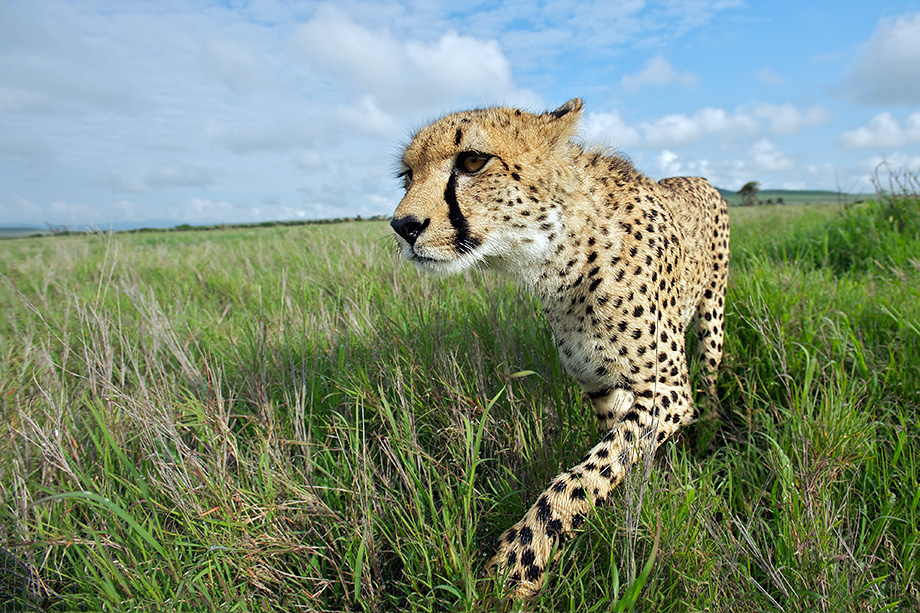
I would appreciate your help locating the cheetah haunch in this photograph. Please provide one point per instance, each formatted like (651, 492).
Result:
(621, 264)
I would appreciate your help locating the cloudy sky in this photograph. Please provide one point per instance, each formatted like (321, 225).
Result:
(164, 112)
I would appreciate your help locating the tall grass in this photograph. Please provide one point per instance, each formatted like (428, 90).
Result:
(289, 419)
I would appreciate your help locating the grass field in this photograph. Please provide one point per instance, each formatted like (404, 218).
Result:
(795, 197)
(22, 232)
(289, 419)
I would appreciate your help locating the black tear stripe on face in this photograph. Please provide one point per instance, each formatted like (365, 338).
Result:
(463, 241)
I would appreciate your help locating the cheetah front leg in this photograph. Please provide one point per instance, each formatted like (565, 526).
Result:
(526, 548)
(638, 422)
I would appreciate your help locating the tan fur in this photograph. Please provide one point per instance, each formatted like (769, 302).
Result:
(621, 264)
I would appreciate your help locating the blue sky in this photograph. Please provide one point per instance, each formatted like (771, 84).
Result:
(137, 113)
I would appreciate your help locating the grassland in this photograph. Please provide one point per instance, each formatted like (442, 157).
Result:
(795, 197)
(289, 419)
(22, 232)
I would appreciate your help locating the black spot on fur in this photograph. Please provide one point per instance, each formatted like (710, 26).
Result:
(528, 557)
(598, 394)
(544, 510)
(525, 536)
(554, 529)
(533, 572)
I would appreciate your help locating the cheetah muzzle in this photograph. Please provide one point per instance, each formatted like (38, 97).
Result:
(621, 264)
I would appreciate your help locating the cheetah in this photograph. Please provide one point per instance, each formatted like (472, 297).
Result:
(620, 263)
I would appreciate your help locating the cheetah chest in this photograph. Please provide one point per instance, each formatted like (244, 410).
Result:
(604, 314)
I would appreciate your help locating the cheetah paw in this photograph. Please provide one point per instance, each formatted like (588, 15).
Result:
(523, 554)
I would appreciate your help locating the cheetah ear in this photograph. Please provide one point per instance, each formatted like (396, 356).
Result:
(572, 106)
(562, 121)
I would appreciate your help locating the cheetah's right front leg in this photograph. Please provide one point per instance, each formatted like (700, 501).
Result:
(526, 548)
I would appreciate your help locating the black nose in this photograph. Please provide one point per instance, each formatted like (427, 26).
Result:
(409, 227)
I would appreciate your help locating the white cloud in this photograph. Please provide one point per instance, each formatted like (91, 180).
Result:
(609, 127)
(457, 65)
(766, 158)
(761, 161)
(402, 74)
(883, 131)
(333, 43)
(656, 72)
(680, 130)
(367, 118)
(886, 70)
(671, 164)
(668, 163)
(786, 119)
(912, 129)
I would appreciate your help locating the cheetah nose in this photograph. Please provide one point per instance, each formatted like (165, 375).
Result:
(409, 227)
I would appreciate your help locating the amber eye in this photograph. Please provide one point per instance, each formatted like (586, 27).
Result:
(471, 162)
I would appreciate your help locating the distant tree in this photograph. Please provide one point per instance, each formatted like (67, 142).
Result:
(61, 230)
(749, 193)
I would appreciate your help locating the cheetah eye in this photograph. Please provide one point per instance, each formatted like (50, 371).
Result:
(406, 176)
(471, 162)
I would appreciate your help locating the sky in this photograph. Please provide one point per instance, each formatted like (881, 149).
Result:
(132, 113)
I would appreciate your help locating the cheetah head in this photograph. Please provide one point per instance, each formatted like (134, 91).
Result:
(482, 188)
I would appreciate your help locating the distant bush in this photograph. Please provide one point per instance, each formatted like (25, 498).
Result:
(881, 233)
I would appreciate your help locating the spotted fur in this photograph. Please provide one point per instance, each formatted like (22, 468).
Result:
(621, 264)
